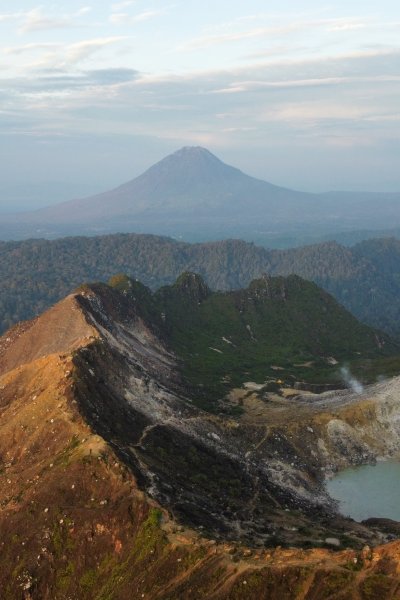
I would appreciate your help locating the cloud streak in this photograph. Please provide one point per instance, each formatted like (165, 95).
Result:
(122, 5)
(331, 25)
(223, 38)
(36, 20)
(80, 51)
(30, 48)
(5, 17)
(84, 11)
(60, 57)
(126, 19)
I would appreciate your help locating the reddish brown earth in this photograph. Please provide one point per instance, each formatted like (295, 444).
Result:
(74, 524)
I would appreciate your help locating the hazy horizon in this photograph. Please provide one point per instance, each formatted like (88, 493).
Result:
(305, 98)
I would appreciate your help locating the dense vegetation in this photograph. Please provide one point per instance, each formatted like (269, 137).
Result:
(36, 273)
(277, 328)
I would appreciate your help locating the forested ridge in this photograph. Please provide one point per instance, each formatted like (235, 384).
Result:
(36, 273)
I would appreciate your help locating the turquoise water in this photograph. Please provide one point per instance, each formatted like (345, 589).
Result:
(368, 491)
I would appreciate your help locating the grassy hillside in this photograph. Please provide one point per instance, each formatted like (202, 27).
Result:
(364, 278)
(276, 329)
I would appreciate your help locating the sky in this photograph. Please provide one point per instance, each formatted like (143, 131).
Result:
(304, 94)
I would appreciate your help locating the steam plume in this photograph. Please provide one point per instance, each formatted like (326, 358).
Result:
(351, 381)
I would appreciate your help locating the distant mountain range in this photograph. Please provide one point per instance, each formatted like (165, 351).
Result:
(36, 273)
(193, 194)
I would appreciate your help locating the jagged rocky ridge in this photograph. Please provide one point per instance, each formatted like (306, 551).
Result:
(236, 478)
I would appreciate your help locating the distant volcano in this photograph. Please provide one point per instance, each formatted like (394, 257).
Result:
(189, 181)
(192, 190)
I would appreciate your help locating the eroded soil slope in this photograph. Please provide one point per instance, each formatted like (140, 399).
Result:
(74, 520)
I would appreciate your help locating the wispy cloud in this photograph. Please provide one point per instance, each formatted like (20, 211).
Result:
(317, 111)
(281, 71)
(273, 16)
(347, 26)
(81, 50)
(124, 18)
(247, 86)
(223, 37)
(4, 17)
(58, 81)
(30, 48)
(36, 20)
(84, 11)
(59, 57)
(212, 40)
(121, 5)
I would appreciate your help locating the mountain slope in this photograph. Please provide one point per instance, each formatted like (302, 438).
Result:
(364, 278)
(144, 499)
(192, 192)
(284, 324)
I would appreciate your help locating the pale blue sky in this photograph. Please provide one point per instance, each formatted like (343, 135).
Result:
(304, 94)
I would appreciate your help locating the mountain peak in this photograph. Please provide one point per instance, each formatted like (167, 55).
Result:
(192, 285)
(194, 153)
(191, 165)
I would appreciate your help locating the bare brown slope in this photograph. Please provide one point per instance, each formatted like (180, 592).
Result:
(74, 525)
(61, 329)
